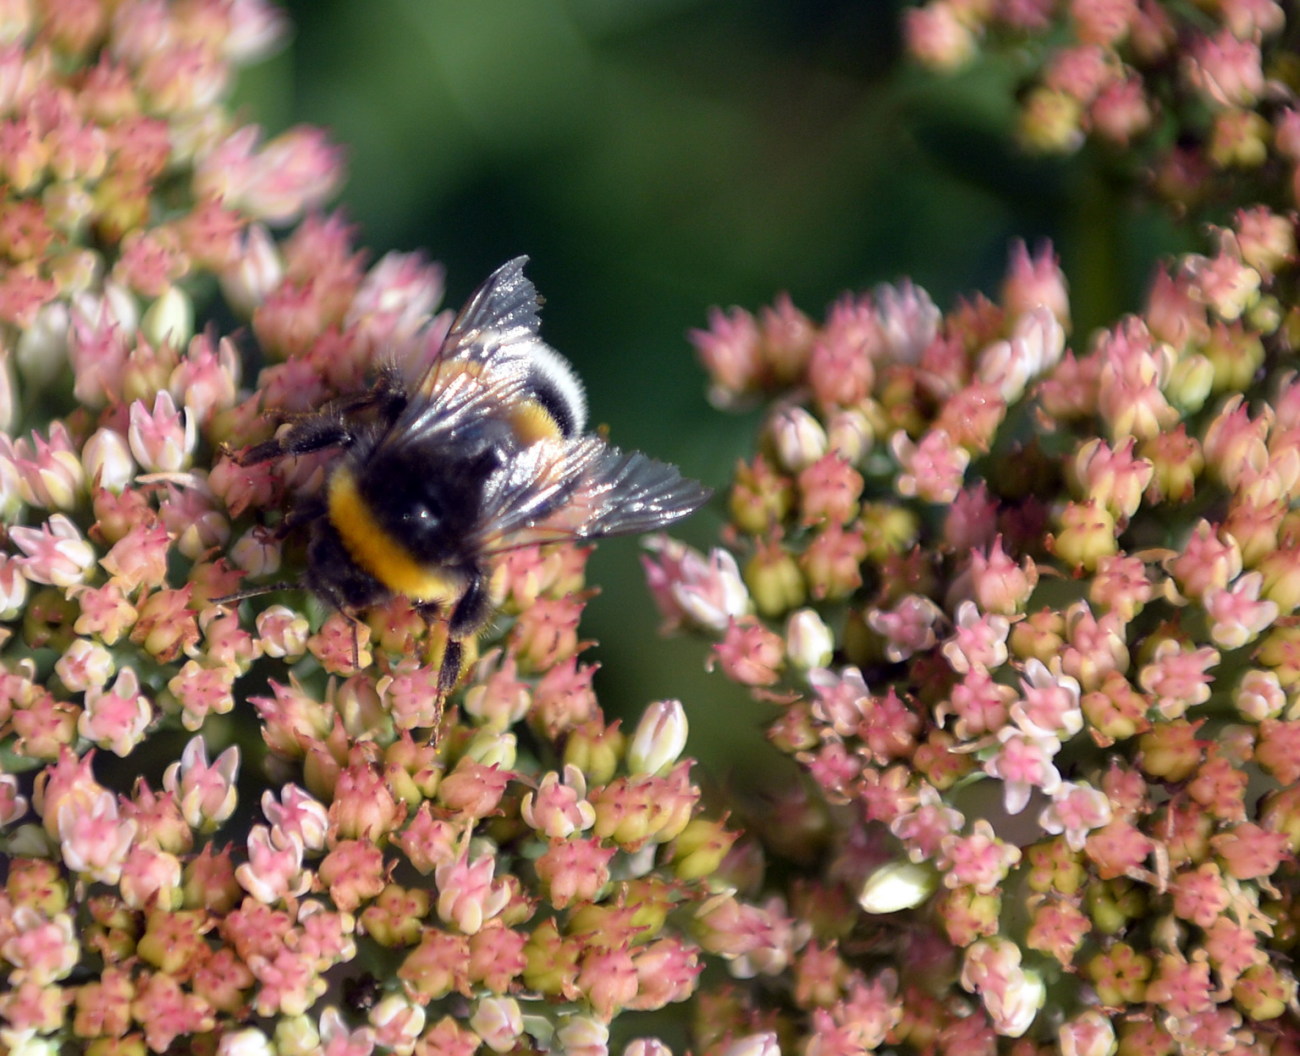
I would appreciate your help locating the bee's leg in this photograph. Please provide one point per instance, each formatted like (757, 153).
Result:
(252, 592)
(472, 609)
(467, 616)
(453, 656)
(312, 433)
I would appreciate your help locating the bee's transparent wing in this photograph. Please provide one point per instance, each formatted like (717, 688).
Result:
(585, 489)
(482, 364)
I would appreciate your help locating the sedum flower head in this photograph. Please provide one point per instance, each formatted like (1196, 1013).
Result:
(256, 828)
(1049, 743)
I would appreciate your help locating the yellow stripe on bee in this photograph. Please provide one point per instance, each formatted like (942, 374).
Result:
(532, 422)
(377, 551)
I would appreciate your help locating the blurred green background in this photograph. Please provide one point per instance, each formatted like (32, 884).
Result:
(657, 157)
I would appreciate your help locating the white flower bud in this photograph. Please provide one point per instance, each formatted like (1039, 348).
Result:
(897, 885)
(659, 739)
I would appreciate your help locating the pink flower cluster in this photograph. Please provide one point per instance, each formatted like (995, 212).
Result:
(1197, 91)
(1027, 614)
(387, 874)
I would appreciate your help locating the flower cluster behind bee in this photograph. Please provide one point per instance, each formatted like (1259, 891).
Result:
(1026, 614)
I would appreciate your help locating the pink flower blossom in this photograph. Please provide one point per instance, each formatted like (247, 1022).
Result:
(95, 841)
(931, 470)
(688, 588)
(206, 792)
(1023, 763)
(55, 553)
(1075, 810)
(116, 718)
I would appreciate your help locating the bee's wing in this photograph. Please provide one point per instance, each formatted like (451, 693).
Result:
(496, 323)
(584, 489)
(482, 364)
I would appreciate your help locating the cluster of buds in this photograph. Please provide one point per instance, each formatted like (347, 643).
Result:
(1203, 91)
(1027, 614)
(387, 875)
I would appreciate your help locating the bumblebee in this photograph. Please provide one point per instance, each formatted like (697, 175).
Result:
(485, 453)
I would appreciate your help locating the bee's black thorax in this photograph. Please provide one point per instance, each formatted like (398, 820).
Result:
(429, 500)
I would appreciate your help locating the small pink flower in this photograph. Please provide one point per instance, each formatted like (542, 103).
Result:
(1049, 704)
(559, 810)
(575, 869)
(980, 860)
(1081, 71)
(1181, 987)
(364, 807)
(979, 640)
(564, 698)
(1178, 678)
(12, 805)
(1089, 1033)
(924, 828)
(107, 458)
(1259, 695)
(467, 893)
(1024, 763)
(95, 841)
(1205, 561)
(731, 355)
(1032, 282)
(41, 949)
(116, 718)
(1266, 240)
(85, 663)
(50, 472)
(151, 878)
(202, 691)
(139, 558)
(1011, 995)
(55, 553)
(1096, 647)
(1225, 69)
(750, 653)
(395, 301)
(207, 379)
(908, 628)
(658, 740)
(249, 278)
(498, 1022)
(282, 632)
(295, 172)
(688, 588)
(338, 1039)
(931, 470)
(274, 869)
(980, 704)
(1075, 810)
(163, 440)
(1224, 282)
(1122, 585)
(937, 37)
(908, 320)
(1112, 476)
(829, 490)
(1237, 615)
(206, 792)
(397, 1023)
(842, 699)
(1130, 398)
